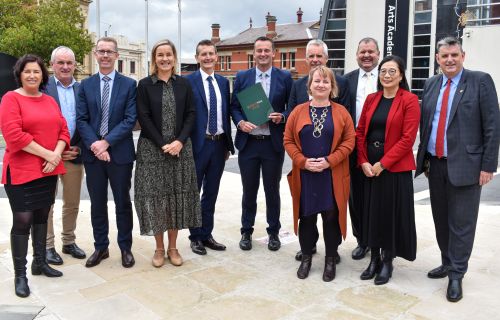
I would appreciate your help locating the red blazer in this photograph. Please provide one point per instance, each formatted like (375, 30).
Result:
(400, 131)
(25, 119)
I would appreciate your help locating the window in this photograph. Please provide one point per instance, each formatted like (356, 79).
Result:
(250, 61)
(120, 66)
(283, 60)
(334, 34)
(421, 45)
(228, 62)
(292, 60)
(222, 64)
(132, 67)
(483, 12)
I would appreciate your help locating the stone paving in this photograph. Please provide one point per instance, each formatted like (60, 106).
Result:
(258, 284)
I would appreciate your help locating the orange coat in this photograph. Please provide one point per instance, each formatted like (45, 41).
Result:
(342, 146)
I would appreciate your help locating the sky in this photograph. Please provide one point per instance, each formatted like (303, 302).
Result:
(127, 17)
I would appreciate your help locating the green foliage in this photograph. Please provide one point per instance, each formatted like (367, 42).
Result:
(26, 27)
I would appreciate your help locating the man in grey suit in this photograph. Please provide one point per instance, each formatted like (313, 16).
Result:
(64, 89)
(458, 152)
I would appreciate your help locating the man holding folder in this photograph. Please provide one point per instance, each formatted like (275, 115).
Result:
(261, 147)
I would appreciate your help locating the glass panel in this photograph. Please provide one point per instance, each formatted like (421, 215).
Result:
(417, 84)
(334, 35)
(339, 4)
(421, 51)
(337, 54)
(422, 29)
(337, 14)
(336, 64)
(420, 73)
(335, 25)
(421, 62)
(423, 5)
(423, 17)
(421, 40)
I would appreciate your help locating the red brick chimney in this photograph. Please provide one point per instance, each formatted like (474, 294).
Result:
(299, 15)
(271, 26)
(215, 32)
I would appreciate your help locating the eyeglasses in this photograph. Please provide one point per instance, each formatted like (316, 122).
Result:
(391, 72)
(105, 52)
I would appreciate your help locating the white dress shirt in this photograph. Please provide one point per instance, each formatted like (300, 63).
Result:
(204, 77)
(365, 87)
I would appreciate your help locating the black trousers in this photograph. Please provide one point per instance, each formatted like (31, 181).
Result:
(331, 232)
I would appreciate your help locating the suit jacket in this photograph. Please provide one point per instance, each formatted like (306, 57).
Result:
(299, 93)
(400, 130)
(51, 90)
(122, 117)
(200, 102)
(342, 146)
(279, 92)
(149, 109)
(352, 80)
(473, 132)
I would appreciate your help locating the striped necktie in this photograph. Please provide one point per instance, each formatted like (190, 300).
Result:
(105, 107)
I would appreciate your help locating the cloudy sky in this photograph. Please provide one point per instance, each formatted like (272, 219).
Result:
(127, 17)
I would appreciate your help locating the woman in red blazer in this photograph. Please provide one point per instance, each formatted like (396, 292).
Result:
(384, 138)
(35, 134)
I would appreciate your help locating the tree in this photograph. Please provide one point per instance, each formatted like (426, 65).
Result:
(31, 26)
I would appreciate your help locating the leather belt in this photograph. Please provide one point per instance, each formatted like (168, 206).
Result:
(259, 136)
(215, 137)
(430, 156)
(376, 144)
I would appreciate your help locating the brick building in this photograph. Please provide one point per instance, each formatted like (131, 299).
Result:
(290, 41)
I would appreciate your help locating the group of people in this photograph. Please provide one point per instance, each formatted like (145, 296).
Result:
(350, 140)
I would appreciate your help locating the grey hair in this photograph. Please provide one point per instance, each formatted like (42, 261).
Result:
(449, 41)
(319, 43)
(368, 40)
(59, 50)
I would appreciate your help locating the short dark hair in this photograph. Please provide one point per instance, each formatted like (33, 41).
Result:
(21, 64)
(401, 66)
(262, 38)
(368, 40)
(205, 42)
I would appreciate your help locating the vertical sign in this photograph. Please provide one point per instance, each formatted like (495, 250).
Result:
(397, 13)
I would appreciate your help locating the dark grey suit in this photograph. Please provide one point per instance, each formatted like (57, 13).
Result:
(472, 136)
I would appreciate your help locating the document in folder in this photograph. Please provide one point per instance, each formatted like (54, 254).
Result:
(255, 104)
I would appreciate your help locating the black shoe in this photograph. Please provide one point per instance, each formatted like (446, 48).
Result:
(97, 257)
(39, 264)
(214, 245)
(128, 260)
(438, 273)
(298, 255)
(359, 252)
(73, 250)
(330, 269)
(304, 267)
(246, 242)
(274, 243)
(198, 248)
(385, 273)
(373, 268)
(19, 248)
(53, 257)
(454, 292)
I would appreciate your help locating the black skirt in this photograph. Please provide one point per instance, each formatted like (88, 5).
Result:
(32, 195)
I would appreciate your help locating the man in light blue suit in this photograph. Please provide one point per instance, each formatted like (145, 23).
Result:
(212, 142)
(105, 116)
(261, 147)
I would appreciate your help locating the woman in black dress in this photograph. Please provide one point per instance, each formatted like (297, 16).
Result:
(385, 136)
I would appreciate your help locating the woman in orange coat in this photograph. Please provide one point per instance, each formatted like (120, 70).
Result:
(319, 137)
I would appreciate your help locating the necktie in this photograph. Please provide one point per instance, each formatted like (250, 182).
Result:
(368, 85)
(263, 81)
(442, 121)
(105, 107)
(212, 117)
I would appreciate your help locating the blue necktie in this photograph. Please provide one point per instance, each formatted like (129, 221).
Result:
(212, 117)
(105, 107)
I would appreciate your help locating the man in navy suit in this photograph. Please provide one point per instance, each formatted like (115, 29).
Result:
(362, 82)
(261, 147)
(212, 142)
(458, 151)
(64, 89)
(317, 55)
(106, 114)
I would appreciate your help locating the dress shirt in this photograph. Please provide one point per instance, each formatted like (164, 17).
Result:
(204, 77)
(431, 146)
(264, 128)
(67, 103)
(362, 90)
(111, 75)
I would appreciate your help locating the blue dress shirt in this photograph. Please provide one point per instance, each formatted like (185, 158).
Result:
(68, 104)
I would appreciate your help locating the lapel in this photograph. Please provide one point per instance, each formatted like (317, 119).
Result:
(396, 104)
(114, 92)
(198, 79)
(435, 88)
(96, 84)
(52, 90)
(75, 90)
(274, 83)
(462, 84)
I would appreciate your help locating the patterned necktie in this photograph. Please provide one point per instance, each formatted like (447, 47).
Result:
(263, 81)
(442, 121)
(212, 117)
(368, 84)
(105, 107)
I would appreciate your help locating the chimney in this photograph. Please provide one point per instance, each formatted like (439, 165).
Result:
(299, 15)
(271, 26)
(215, 32)
(251, 23)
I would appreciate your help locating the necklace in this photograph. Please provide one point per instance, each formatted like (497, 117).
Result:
(318, 123)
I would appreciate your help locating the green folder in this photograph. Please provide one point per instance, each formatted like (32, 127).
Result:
(255, 104)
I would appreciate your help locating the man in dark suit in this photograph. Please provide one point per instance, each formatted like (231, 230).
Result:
(317, 55)
(106, 114)
(212, 142)
(64, 89)
(458, 152)
(362, 82)
(261, 147)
